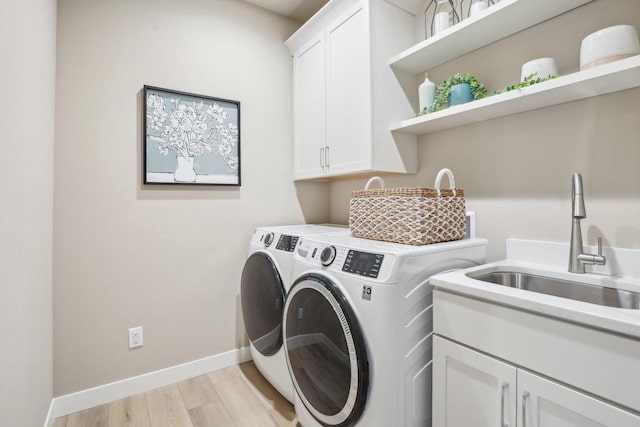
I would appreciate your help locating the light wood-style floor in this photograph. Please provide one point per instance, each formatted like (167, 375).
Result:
(236, 396)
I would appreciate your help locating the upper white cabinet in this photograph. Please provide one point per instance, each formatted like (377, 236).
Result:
(309, 106)
(345, 94)
(348, 93)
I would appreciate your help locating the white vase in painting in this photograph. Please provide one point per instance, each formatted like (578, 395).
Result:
(185, 172)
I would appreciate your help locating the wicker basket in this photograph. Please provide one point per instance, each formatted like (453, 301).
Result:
(413, 216)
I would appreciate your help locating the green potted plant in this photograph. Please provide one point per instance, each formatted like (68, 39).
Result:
(457, 89)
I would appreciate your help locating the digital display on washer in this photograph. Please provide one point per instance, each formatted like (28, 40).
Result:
(363, 263)
(287, 243)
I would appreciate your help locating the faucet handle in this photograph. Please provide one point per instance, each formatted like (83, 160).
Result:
(600, 246)
(593, 259)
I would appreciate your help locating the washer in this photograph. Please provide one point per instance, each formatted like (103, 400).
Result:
(264, 284)
(358, 328)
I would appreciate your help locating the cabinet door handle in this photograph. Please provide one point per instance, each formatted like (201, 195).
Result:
(326, 156)
(525, 396)
(505, 387)
(322, 158)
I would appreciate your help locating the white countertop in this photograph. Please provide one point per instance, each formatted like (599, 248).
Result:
(622, 321)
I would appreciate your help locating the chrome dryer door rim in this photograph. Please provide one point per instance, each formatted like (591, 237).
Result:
(324, 295)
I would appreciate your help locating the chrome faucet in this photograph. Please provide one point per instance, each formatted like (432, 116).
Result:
(578, 259)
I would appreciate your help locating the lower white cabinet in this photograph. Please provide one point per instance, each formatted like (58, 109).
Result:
(473, 389)
(545, 403)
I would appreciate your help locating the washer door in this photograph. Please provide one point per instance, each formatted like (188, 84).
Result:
(325, 351)
(262, 299)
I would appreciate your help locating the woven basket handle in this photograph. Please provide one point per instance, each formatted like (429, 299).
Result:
(372, 180)
(452, 181)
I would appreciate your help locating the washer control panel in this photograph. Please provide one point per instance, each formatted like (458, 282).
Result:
(363, 263)
(374, 266)
(287, 243)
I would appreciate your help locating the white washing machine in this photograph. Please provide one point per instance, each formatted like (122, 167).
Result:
(265, 281)
(358, 328)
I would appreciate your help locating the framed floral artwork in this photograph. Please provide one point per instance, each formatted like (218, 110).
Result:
(190, 139)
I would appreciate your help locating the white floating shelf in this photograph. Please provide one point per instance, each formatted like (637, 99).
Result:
(608, 78)
(496, 22)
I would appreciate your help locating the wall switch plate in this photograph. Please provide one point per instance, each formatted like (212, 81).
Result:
(135, 337)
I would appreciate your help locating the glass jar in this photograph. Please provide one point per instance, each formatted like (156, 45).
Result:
(442, 17)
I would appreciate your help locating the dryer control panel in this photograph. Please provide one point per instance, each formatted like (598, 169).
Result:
(287, 243)
(363, 263)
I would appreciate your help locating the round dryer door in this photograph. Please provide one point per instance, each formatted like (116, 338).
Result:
(262, 298)
(325, 351)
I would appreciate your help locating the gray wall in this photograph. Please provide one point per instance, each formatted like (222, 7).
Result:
(516, 170)
(170, 259)
(166, 258)
(27, 85)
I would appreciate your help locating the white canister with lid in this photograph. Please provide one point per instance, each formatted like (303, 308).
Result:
(608, 45)
(477, 6)
(541, 67)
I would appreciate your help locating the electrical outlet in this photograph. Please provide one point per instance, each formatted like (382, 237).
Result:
(135, 337)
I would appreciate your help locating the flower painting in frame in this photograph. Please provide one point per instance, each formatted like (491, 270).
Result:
(190, 139)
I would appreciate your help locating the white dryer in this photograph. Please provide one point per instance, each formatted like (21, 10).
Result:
(358, 328)
(265, 281)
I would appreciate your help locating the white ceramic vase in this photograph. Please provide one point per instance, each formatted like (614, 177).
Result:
(185, 172)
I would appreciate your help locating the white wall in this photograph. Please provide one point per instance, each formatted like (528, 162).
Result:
(27, 84)
(166, 258)
(516, 170)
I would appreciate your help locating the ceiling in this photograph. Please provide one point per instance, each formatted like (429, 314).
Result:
(300, 10)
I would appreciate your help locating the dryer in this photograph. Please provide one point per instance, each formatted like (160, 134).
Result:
(265, 281)
(358, 328)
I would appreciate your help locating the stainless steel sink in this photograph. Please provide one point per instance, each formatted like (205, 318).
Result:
(577, 291)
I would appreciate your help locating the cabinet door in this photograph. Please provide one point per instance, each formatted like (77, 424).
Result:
(349, 93)
(544, 403)
(309, 109)
(470, 388)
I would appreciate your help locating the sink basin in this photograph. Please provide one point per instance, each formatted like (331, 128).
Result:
(577, 291)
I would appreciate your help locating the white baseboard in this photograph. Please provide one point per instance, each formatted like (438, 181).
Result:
(48, 422)
(85, 399)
